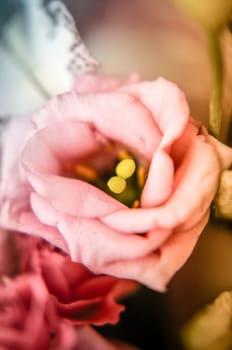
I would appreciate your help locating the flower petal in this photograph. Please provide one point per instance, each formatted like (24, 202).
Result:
(74, 197)
(159, 183)
(167, 104)
(117, 115)
(156, 269)
(56, 144)
(80, 235)
(27, 222)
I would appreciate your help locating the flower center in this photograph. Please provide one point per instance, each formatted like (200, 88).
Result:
(117, 173)
(124, 170)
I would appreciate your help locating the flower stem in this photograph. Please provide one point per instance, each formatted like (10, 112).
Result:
(215, 107)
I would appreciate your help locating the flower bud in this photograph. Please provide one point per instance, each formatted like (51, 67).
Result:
(223, 200)
(211, 14)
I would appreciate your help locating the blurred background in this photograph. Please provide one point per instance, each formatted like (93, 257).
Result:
(152, 38)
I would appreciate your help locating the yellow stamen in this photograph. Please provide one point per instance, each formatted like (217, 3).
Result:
(116, 184)
(135, 204)
(125, 168)
(123, 154)
(141, 176)
(85, 172)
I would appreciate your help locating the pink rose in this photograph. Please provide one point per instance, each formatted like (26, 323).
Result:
(80, 297)
(27, 317)
(150, 120)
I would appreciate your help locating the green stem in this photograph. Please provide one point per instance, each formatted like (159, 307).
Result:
(215, 107)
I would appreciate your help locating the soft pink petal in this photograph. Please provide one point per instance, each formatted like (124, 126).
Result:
(36, 321)
(50, 266)
(29, 223)
(49, 148)
(159, 183)
(73, 197)
(167, 104)
(142, 269)
(196, 183)
(95, 286)
(155, 270)
(118, 116)
(137, 220)
(80, 235)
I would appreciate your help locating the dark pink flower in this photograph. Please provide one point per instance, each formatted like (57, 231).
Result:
(27, 316)
(80, 296)
(151, 121)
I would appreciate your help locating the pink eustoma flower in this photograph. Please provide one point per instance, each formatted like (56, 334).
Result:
(27, 317)
(151, 121)
(80, 297)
